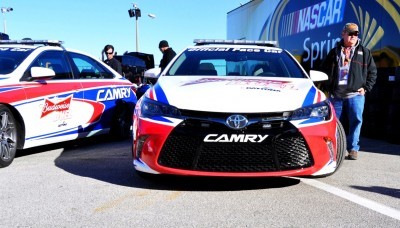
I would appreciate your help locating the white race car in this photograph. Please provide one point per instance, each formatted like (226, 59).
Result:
(240, 109)
(49, 94)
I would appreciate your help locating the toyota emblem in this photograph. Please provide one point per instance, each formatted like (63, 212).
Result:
(236, 121)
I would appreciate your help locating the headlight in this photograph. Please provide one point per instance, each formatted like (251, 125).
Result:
(320, 110)
(151, 108)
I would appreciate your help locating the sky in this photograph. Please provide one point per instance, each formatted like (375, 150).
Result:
(91, 24)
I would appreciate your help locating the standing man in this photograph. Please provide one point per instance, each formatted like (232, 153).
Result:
(352, 73)
(168, 54)
(111, 61)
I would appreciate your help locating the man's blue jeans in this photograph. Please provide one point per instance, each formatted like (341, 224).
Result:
(354, 108)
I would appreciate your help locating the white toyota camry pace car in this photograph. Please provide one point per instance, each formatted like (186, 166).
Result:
(50, 94)
(236, 108)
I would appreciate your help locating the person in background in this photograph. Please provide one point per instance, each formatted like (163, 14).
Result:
(352, 73)
(111, 61)
(168, 54)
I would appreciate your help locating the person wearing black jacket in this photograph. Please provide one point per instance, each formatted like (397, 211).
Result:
(111, 61)
(168, 54)
(352, 73)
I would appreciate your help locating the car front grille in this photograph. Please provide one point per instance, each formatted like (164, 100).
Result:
(284, 148)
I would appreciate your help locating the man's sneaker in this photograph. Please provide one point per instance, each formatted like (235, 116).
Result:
(353, 155)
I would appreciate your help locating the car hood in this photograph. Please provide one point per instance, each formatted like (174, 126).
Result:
(236, 94)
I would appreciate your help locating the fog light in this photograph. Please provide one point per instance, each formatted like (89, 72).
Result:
(330, 146)
(139, 145)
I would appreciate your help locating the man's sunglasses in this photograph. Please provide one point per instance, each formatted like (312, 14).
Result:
(353, 33)
(109, 53)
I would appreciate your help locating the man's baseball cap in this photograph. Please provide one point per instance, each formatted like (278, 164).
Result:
(163, 43)
(350, 27)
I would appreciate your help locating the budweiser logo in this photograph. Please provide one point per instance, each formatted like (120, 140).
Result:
(50, 106)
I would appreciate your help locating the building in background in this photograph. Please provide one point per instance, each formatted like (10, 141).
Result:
(310, 28)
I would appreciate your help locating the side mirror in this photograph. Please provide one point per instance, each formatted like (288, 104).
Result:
(317, 76)
(42, 72)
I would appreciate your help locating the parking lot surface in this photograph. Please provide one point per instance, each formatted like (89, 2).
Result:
(91, 183)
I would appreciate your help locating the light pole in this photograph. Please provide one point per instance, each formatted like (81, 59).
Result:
(135, 12)
(4, 10)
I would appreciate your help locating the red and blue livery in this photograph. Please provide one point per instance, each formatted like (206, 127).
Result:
(49, 94)
(236, 109)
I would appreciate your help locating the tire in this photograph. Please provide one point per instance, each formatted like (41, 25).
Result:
(8, 137)
(341, 149)
(341, 145)
(122, 121)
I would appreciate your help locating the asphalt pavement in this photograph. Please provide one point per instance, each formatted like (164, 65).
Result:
(91, 183)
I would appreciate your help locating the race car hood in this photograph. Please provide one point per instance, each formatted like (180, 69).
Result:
(235, 94)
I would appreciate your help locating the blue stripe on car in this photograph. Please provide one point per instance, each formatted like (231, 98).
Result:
(161, 97)
(311, 120)
(310, 97)
(54, 134)
(160, 118)
(6, 89)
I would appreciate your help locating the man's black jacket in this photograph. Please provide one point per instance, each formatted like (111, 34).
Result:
(168, 55)
(362, 72)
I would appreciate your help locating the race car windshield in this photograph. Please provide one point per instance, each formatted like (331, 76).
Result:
(228, 61)
(10, 58)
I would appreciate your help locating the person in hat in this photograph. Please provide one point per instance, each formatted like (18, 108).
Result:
(168, 54)
(352, 73)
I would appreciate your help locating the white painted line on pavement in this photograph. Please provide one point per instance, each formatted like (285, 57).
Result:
(380, 208)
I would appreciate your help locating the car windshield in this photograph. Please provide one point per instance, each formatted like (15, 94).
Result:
(233, 61)
(11, 57)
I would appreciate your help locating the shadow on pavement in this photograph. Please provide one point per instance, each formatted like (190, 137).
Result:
(379, 146)
(113, 164)
(381, 190)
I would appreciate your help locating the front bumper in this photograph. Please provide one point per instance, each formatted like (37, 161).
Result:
(289, 150)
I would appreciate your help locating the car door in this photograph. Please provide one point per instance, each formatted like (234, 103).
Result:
(102, 89)
(52, 112)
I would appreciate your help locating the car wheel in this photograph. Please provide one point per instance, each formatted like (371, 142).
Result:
(341, 145)
(341, 149)
(122, 121)
(8, 146)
